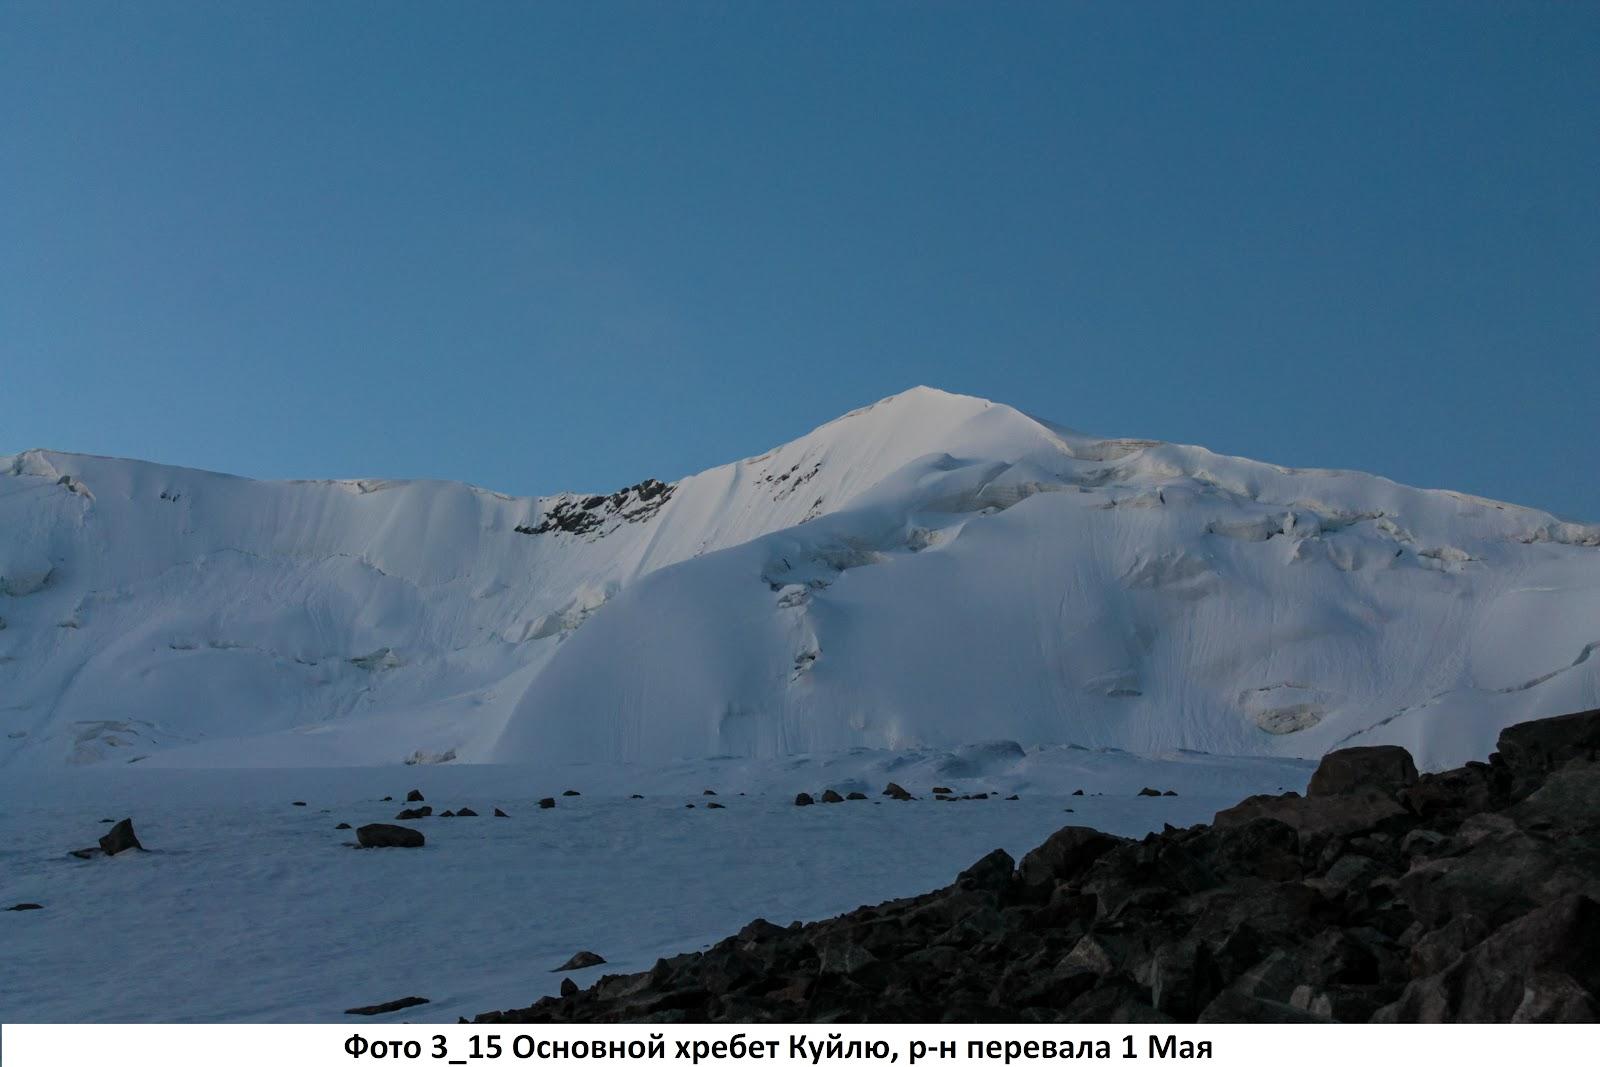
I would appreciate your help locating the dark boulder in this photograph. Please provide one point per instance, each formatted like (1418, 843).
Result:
(500, 814)
(1065, 853)
(415, 813)
(570, 793)
(994, 871)
(855, 796)
(387, 1006)
(581, 960)
(466, 813)
(1350, 813)
(120, 839)
(1148, 792)
(25, 907)
(759, 930)
(802, 800)
(1531, 747)
(829, 796)
(547, 802)
(342, 826)
(568, 987)
(894, 792)
(413, 797)
(384, 835)
(1385, 769)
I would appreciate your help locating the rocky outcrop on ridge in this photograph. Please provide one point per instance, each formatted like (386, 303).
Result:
(1382, 895)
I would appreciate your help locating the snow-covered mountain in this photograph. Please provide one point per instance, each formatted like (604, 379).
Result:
(928, 571)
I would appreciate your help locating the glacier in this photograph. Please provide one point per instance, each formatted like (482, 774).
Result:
(929, 571)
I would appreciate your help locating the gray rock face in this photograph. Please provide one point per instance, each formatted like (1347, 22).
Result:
(383, 835)
(1467, 896)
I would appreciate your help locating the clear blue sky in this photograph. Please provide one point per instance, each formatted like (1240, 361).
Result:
(541, 246)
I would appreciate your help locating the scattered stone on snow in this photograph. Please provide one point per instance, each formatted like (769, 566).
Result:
(120, 838)
(387, 1006)
(1471, 895)
(384, 835)
(580, 960)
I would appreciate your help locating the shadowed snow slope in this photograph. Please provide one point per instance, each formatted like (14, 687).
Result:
(928, 571)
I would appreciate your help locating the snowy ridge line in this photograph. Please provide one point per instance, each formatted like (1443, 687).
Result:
(923, 572)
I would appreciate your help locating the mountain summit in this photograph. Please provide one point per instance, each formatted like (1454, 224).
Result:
(930, 570)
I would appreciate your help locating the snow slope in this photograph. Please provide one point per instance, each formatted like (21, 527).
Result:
(928, 571)
(248, 908)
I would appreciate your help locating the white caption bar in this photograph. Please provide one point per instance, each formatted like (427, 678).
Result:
(903, 1045)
